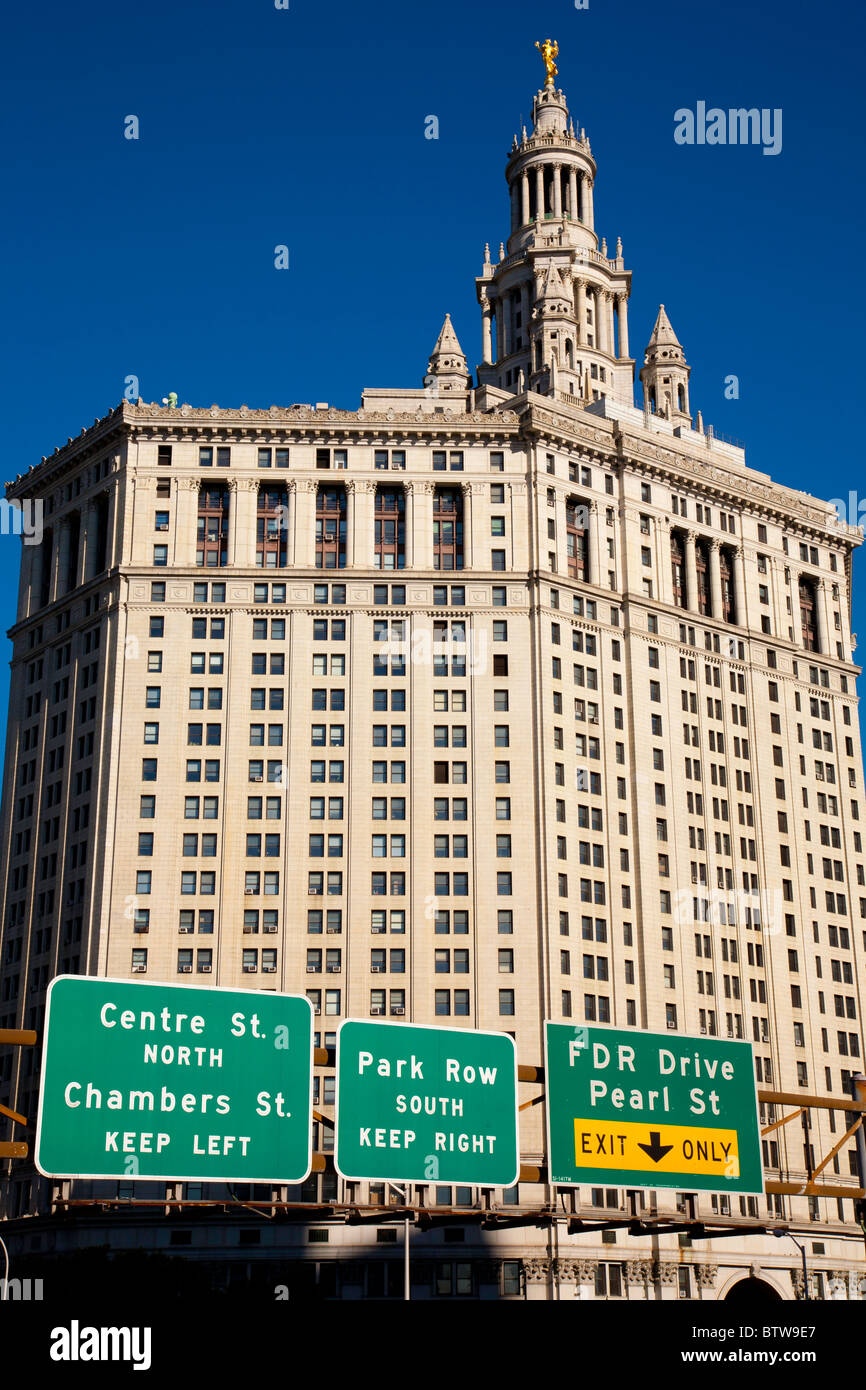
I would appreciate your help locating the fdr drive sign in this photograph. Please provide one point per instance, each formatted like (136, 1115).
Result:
(143, 1081)
(418, 1103)
(651, 1110)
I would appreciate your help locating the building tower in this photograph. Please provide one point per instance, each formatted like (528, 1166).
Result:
(447, 373)
(665, 373)
(554, 308)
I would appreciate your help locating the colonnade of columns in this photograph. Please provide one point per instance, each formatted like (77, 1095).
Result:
(52, 568)
(554, 190)
(607, 306)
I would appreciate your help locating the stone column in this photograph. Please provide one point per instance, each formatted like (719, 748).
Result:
(351, 521)
(289, 520)
(539, 193)
(506, 325)
(589, 217)
(423, 538)
(185, 521)
(716, 578)
(821, 617)
(244, 498)
(486, 330)
(500, 329)
(305, 524)
(601, 337)
(561, 532)
(622, 305)
(365, 509)
(740, 606)
(63, 553)
(572, 194)
(595, 545)
(663, 562)
(557, 190)
(580, 302)
(112, 547)
(468, 553)
(524, 198)
(515, 207)
(409, 525)
(691, 573)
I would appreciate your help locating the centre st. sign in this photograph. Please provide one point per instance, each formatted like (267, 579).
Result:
(172, 1081)
(419, 1104)
(651, 1110)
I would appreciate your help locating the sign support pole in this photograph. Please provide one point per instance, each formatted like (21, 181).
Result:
(407, 1281)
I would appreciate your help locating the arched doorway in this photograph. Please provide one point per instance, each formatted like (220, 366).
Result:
(752, 1290)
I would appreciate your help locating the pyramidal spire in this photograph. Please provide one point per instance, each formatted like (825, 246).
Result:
(665, 372)
(663, 334)
(446, 370)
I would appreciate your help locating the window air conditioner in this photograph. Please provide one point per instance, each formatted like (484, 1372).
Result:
(250, 892)
(703, 1028)
(248, 929)
(269, 929)
(257, 778)
(183, 969)
(333, 931)
(269, 969)
(316, 892)
(334, 969)
(377, 969)
(313, 970)
(672, 1025)
(139, 969)
(204, 969)
(250, 969)
(397, 1010)
(376, 1009)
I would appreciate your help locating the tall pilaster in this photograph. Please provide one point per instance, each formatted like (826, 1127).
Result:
(691, 573)
(305, 524)
(716, 578)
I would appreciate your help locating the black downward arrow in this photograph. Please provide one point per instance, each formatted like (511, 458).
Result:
(655, 1148)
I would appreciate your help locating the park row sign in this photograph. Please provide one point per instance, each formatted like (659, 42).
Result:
(179, 1083)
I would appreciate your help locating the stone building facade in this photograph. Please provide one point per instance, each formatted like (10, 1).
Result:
(498, 699)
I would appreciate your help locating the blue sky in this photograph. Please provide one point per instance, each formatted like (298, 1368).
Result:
(305, 127)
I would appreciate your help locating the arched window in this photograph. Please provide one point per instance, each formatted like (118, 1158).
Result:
(448, 529)
(212, 533)
(808, 615)
(272, 527)
(390, 528)
(577, 538)
(330, 528)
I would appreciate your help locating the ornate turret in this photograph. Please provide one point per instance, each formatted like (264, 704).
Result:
(447, 373)
(553, 304)
(665, 373)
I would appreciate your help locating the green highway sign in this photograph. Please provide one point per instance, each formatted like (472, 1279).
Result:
(144, 1081)
(417, 1103)
(651, 1110)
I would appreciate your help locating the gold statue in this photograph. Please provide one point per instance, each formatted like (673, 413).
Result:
(549, 50)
